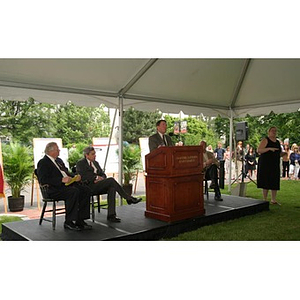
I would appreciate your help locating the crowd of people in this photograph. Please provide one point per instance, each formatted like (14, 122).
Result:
(271, 161)
(248, 157)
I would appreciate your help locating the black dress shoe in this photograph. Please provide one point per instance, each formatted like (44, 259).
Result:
(218, 198)
(70, 225)
(212, 185)
(83, 225)
(114, 219)
(133, 200)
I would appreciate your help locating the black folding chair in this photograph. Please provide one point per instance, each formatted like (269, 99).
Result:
(54, 210)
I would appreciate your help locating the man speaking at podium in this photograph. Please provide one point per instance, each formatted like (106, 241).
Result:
(160, 139)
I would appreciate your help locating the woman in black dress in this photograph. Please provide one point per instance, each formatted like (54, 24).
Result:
(268, 170)
(250, 161)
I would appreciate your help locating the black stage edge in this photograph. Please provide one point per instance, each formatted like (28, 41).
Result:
(134, 225)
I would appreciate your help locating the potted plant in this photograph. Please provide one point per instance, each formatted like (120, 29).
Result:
(131, 163)
(18, 169)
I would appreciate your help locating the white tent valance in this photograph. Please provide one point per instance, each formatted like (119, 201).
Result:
(210, 86)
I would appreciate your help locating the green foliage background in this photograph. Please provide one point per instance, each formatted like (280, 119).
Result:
(21, 121)
(287, 127)
(138, 124)
(24, 120)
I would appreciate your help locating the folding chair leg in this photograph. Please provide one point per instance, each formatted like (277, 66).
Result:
(93, 209)
(98, 202)
(54, 215)
(206, 190)
(43, 212)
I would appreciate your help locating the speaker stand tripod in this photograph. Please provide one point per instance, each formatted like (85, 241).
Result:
(243, 174)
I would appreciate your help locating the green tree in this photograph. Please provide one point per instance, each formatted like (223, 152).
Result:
(24, 120)
(138, 124)
(80, 124)
(222, 128)
(197, 130)
(75, 153)
(286, 124)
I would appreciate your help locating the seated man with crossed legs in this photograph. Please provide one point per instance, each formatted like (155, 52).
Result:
(99, 183)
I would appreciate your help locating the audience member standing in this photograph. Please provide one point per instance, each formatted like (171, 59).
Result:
(239, 157)
(251, 162)
(227, 161)
(286, 162)
(294, 163)
(219, 152)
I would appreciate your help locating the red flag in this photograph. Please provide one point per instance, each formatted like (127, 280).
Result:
(1, 183)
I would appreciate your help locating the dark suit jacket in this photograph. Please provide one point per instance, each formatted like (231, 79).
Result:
(155, 140)
(87, 172)
(77, 195)
(49, 174)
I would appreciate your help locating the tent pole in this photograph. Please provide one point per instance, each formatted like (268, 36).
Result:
(109, 142)
(120, 143)
(230, 146)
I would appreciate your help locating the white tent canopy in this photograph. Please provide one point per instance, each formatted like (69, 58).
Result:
(226, 87)
(229, 87)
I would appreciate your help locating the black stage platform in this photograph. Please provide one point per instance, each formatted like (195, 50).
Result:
(134, 225)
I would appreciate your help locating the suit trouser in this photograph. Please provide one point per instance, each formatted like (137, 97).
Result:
(110, 187)
(212, 174)
(285, 168)
(84, 201)
(77, 201)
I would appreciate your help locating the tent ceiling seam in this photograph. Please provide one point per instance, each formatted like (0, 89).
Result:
(60, 89)
(240, 82)
(172, 101)
(273, 103)
(137, 76)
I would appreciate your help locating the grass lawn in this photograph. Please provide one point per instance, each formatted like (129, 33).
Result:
(280, 223)
(6, 219)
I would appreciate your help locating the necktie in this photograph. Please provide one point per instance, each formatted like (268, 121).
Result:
(94, 168)
(165, 140)
(60, 167)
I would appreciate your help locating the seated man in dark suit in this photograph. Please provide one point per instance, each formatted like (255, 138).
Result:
(160, 139)
(211, 164)
(52, 171)
(99, 183)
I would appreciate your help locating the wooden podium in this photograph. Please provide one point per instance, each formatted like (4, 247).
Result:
(174, 183)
